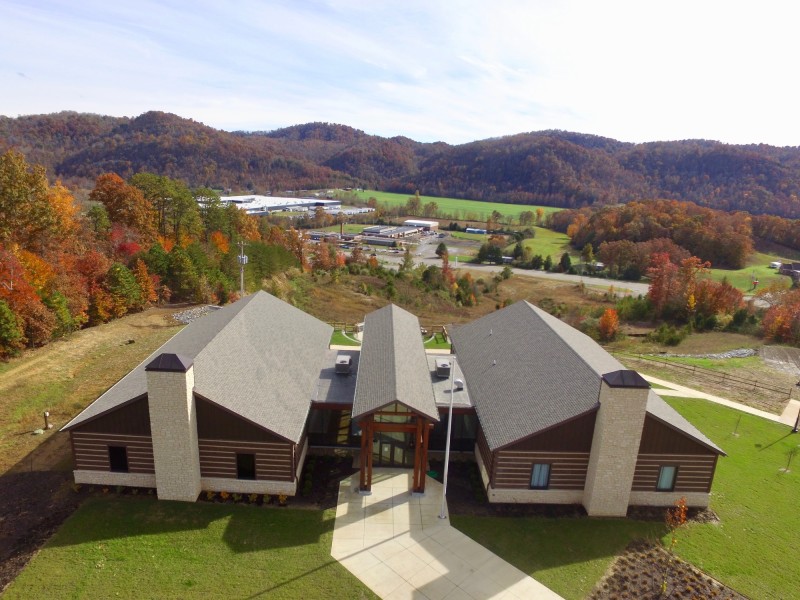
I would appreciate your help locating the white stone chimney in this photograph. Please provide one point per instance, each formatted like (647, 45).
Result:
(615, 445)
(173, 425)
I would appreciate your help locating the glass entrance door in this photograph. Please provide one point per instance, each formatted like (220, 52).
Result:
(393, 449)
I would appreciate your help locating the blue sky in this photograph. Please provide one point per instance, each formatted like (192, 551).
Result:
(454, 71)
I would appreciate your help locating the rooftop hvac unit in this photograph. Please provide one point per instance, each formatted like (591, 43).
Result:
(442, 368)
(344, 363)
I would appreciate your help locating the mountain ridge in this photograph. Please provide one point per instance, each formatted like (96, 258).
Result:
(550, 167)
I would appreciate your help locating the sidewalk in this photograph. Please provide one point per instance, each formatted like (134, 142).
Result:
(788, 416)
(398, 546)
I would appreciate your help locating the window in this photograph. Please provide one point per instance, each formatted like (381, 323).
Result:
(666, 478)
(540, 476)
(118, 458)
(245, 466)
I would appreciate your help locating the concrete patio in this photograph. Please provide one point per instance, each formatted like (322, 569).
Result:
(399, 547)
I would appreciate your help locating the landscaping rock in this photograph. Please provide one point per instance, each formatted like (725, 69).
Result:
(192, 314)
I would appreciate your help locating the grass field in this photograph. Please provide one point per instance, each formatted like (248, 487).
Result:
(755, 501)
(65, 376)
(125, 547)
(548, 242)
(469, 210)
(757, 268)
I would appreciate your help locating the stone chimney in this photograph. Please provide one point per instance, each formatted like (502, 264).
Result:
(173, 424)
(615, 445)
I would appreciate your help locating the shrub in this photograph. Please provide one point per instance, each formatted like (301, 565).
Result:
(668, 335)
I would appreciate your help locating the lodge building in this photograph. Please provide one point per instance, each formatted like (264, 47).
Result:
(237, 399)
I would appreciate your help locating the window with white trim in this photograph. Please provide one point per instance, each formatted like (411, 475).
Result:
(666, 478)
(540, 476)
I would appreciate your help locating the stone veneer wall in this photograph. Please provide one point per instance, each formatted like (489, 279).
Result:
(694, 499)
(615, 448)
(173, 423)
(113, 478)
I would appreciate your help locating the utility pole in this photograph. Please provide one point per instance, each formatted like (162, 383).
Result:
(242, 263)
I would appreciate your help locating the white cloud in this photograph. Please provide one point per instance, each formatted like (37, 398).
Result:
(453, 71)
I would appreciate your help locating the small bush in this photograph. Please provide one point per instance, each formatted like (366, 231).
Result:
(668, 335)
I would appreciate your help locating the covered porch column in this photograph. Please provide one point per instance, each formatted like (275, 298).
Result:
(365, 458)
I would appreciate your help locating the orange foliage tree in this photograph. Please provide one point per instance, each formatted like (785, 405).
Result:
(609, 325)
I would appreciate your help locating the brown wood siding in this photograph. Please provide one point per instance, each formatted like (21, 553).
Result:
(483, 447)
(90, 451)
(512, 469)
(658, 438)
(695, 472)
(572, 436)
(216, 423)
(129, 419)
(274, 460)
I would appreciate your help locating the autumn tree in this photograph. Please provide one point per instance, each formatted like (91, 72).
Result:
(177, 212)
(25, 209)
(608, 325)
(125, 204)
(11, 336)
(781, 322)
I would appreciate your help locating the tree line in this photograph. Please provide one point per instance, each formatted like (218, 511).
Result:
(554, 168)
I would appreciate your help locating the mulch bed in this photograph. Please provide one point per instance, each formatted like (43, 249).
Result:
(647, 571)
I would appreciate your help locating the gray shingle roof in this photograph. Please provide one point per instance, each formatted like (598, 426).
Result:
(666, 414)
(393, 366)
(527, 371)
(259, 357)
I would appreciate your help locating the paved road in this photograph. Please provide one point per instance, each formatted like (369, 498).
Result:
(429, 257)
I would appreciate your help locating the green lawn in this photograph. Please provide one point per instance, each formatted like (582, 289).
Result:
(471, 210)
(757, 267)
(548, 242)
(750, 549)
(436, 342)
(348, 228)
(125, 547)
(340, 339)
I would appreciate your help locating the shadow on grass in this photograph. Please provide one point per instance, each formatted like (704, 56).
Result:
(243, 528)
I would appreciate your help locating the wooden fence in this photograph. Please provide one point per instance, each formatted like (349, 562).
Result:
(776, 394)
(426, 329)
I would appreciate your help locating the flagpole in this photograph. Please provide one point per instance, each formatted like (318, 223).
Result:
(442, 514)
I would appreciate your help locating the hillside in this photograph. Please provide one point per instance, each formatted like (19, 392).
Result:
(554, 168)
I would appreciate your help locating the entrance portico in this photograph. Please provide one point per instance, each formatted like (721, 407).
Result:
(394, 438)
(394, 403)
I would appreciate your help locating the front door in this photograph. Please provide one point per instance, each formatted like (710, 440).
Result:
(393, 449)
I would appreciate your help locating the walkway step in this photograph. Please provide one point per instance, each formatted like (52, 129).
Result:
(398, 546)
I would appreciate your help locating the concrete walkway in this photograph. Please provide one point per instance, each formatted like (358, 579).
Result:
(679, 391)
(397, 545)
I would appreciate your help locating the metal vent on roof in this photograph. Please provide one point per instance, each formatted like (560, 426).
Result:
(344, 364)
(442, 368)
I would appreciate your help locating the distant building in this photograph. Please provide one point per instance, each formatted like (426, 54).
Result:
(264, 205)
(475, 230)
(424, 225)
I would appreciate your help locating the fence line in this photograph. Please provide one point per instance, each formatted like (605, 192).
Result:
(353, 328)
(720, 377)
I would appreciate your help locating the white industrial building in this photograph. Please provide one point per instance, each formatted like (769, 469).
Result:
(263, 205)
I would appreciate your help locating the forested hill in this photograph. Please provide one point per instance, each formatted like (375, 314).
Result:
(548, 167)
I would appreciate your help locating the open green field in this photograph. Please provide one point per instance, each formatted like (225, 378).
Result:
(468, 210)
(547, 242)
(755, 500)
(757, 268)
(348, 228)
(126, 547)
